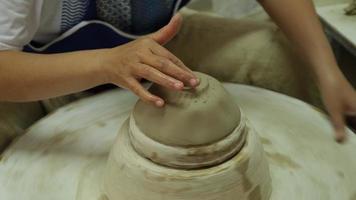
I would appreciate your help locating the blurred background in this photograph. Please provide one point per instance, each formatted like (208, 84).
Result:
(251, 9)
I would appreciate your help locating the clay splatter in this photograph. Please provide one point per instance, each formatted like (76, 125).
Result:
(103, 197)
(101, 124)
(340, 174)
(242, 168)
(266, 141)
(353, 197)
(255, 194)
(282, 160)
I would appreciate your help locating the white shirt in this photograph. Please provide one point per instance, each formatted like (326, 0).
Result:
(22, 21)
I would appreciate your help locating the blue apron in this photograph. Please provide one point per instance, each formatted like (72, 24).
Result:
(86, 27)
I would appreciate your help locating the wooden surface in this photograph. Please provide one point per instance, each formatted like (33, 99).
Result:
(63, 156)
(340, 26)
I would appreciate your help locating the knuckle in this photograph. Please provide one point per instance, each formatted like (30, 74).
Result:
(139, 55)
(175, 60)
(136, 90)
(146, 71)
(146, 41)
(163, 63)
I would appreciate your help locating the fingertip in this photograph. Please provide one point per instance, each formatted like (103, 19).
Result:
(340, 136)
(159, 103)
(177, 16)
(194, 82)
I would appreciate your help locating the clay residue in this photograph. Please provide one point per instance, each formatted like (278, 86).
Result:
(180, 190)
(101, 124)
(246, 183)
(103, 197)
(340, 174)
(154, 177)
(69, 108)
(242, 167)
(243, 163)
(154, 156)
(353, 197)
(255, 194)
(266, 141)
(282, 160)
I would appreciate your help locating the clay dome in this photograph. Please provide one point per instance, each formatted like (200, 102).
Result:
(191, 117)
(196, 128)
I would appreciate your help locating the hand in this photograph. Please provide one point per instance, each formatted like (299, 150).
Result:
(145, 58)
(340, 100)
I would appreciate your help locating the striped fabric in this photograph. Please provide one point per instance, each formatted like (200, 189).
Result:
(73, 12)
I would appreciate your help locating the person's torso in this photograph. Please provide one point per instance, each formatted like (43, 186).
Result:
(129, 17)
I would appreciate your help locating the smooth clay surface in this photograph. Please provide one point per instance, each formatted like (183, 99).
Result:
(64, 155)
(190, 117)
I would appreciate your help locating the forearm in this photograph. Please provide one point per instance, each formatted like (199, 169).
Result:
(30, 77)
(299, 21)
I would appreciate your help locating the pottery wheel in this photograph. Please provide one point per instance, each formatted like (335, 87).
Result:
(63, 155)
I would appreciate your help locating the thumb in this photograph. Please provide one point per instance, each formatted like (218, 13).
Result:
(166, 33)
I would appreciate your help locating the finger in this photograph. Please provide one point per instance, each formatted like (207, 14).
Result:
(142, 93)
(166, 66)
(166, 33)
(153, 75)
(338, 121)
(161, 51)
(175, 67)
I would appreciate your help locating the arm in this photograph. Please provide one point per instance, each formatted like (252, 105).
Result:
(29, 77)
(299, 21)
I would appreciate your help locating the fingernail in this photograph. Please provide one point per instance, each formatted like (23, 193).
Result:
(340, 138)
(193, 82)
(178, 85)
(159, 103)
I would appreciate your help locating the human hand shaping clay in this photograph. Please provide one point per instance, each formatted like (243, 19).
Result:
(145, 58)
(340, 101)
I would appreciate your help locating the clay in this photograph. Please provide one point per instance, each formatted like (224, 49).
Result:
(181, 151)
(191, 117)
(351, 9)
(245, 176)
(64, 155)
(192, 157)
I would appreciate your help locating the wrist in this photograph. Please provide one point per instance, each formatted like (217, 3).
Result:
(99, 67)
(326, 72)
